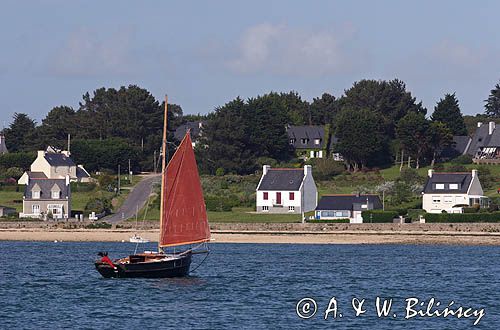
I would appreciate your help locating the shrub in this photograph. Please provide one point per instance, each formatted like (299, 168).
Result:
(462, 217)
(410, 176)
(218, 204)
(330, 221)
(377, 216)
(325, 168)
(219, 172)
(99, 225)
(99, 205)
(463, 159)
(82, 187)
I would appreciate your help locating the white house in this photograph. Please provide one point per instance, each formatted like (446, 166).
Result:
(334, 207)
(286, 190)
(451, 191)
(55, 165)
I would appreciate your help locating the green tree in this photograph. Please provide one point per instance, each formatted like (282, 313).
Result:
(493, 102)
(227, 135)
(439, 136)
(447, 111)
(362, 140)
(323, 109)
(412, 132)
(389, 99)
(56, 126)
(21, 134)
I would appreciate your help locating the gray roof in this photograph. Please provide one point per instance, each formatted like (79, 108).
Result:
(457, 148)
(81, 173)
(482, 138)
(57, 159)
(46, 187)
(194, 126)
(282, 179)
(37, 175)
(297, 133)
(462, 179)
(348, 202)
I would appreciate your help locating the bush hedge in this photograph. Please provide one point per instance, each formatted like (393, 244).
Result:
(462, 217)
(218, 204)
(330, 221)
(376, 216)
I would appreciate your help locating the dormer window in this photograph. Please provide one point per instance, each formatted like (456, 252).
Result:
(292, 141)
(454, 186)
(439, 186)
(35, 194)
(56, 194)
(317, 142)
(304, 140)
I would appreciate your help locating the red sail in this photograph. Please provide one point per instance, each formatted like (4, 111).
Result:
(184, 218)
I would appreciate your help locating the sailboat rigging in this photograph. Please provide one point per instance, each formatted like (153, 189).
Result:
(183, 220)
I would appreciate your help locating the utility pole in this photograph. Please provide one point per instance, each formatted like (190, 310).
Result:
(118, 192)
(129, 171)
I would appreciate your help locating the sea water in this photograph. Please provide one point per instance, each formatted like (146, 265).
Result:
(254, 286)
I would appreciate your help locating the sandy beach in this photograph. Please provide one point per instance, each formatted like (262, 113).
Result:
(287, 237)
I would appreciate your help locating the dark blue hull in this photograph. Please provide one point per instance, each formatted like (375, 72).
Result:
(177, 267)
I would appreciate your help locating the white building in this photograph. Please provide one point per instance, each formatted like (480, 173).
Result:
(335, 207)
(451, 192)
(286, 190)
(51, 164)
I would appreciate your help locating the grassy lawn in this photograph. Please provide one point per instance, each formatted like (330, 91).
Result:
(8, 198)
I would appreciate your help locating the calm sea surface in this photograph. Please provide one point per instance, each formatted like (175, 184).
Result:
(247, 286)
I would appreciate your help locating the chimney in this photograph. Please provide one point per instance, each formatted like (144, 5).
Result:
(307, 169)
(429, 173)
(65, 153)
(265, 168)
(67, 180)
(479, 124)
(474, 173)
(41, 153)
(491, 127)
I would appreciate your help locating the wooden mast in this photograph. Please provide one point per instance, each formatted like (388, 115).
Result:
(163, 171)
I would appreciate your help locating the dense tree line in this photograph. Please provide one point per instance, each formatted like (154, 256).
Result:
(376, 122)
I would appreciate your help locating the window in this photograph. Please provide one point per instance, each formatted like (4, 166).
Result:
(55, 209)
(304, 140)
(448, 199)
(56, 195)
(436, 199)
(291, 196)
(292, 141)
(439, 185)
(266, 196)
(35, 194)
(35, 209)
(291, 208)
(265, 208)
(317, 142)
(453, 186)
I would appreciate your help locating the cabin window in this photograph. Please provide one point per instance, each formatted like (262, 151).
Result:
(436, 199)
(439, 186)
(35, 209)
(292, 196)
(266, 196)
(265, 208)
(35, 194)
(56, 194)
(453, 185)
(317, 142)
(291, 208)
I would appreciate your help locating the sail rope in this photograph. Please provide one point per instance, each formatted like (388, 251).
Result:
(201, 263)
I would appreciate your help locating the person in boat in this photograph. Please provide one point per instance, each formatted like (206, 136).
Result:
(105, 258)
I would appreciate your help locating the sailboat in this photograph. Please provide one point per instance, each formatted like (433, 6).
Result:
(137, 238)
(183, 221)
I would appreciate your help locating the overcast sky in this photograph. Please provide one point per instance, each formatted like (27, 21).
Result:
(205, 53)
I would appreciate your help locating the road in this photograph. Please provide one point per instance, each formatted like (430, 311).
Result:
(136, 199)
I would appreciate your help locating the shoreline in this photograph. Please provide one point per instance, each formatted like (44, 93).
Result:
(263, 236)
